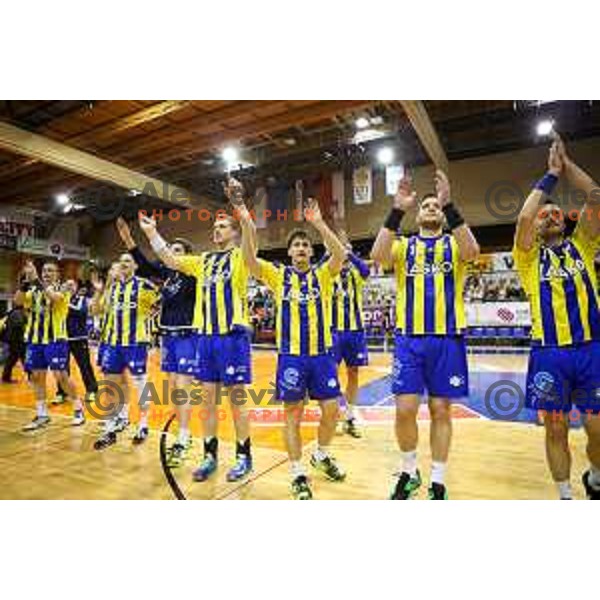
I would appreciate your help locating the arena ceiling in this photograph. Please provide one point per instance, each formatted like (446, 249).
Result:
(181, 142)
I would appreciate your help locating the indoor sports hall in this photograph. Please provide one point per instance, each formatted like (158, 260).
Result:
(72, 171)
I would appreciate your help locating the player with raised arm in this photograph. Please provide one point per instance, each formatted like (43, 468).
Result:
(46, 338)
(221, 318)
(306, 366)
(558, 274)
(349, 339)
(125, 305)
(177, 333)
(430, 352)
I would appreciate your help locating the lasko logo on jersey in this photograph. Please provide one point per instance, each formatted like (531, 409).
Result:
(300, 296)
(215, 278)
(125, 305)
(430, 269)
(562, 272)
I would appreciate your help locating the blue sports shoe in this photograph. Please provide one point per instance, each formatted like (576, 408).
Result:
(242, 467)
(207, 467)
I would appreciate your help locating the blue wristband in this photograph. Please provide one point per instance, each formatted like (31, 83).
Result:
(547, 183)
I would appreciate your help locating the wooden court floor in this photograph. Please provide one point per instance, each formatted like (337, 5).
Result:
(489, 460)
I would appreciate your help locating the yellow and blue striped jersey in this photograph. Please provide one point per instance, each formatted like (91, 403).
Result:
(221, 290)
(127, 312)
(347, 301)
(430, 283)
(303, 301)
(46, 321)
(560, 282)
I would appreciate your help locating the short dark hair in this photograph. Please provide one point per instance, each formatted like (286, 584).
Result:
(427, 196)
(297, 234)
(187, 245)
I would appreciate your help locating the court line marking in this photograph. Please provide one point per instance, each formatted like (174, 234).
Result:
(483, 368)
(274, 466)
(33, 435)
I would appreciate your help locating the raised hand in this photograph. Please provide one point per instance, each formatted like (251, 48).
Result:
(442, 187)
(312, 211)
(555, 161)
(405, 198)
(561, 149)
(234, 191)
(147, 225)
(96, 281)
(29, 271)
(125, 233)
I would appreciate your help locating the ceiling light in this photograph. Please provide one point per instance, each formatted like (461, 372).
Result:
(385, 155)
(62, 200)
(362, 123)
(545, 127)
(230, 155)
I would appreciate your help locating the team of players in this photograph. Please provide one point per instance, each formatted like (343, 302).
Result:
(205, 328)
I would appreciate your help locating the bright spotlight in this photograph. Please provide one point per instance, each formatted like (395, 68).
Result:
(230, 155)
(62, 200)
(362, 123)
(385, 156)
(545, 127)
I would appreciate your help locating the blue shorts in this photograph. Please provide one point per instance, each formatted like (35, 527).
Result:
(225, 359)
(559, 378)
(430, 363)
(101, 348)
(53, 356)
(178, 353)
(350, 347)
(302, 376)
(115, 359)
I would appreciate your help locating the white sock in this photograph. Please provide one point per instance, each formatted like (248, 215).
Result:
(41, 408)
(144, 419)
(409, 462)
(321, 453)
(124, 412)
(110, 424)
(77, 406)
(438, 471)
(349, 412)
(564, 490)
(594, 478)
(296, 469)
(183, 436)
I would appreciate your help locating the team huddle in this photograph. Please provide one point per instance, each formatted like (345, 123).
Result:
(205, 329)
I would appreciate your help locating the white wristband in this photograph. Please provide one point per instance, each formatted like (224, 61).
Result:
(158, 244)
